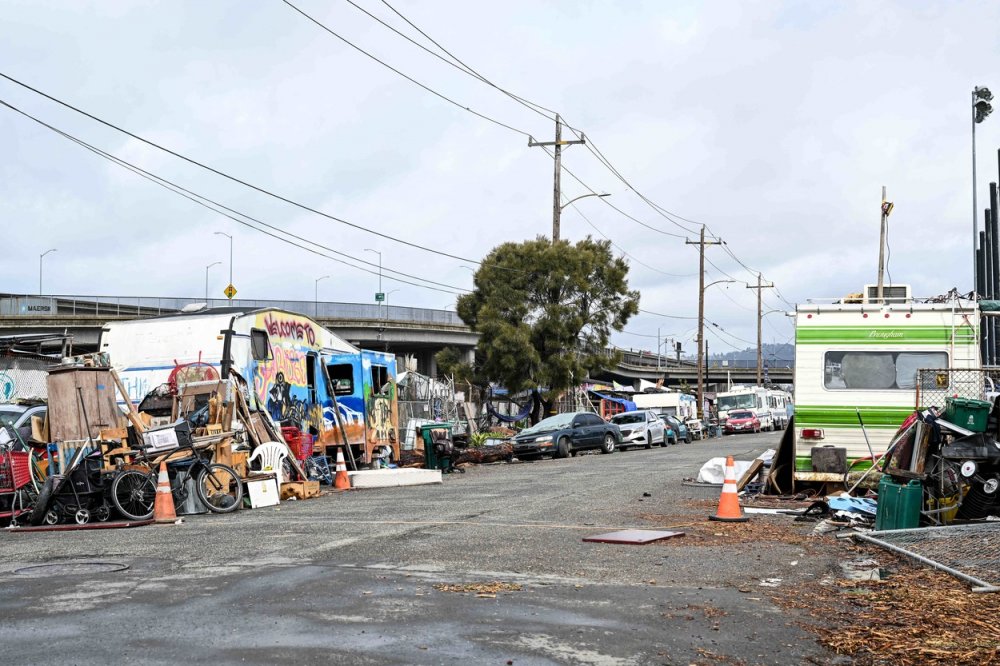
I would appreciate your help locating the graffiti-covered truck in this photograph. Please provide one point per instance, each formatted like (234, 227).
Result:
(286, 359)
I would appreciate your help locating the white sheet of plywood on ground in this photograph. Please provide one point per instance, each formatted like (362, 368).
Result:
(389, 478)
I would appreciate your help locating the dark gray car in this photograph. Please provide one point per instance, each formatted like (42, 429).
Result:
(563, 435)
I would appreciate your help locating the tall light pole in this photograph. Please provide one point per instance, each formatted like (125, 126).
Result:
(215, 263)
(981, 108)
(379, 297)
(40, 257)
(702, 342)
(222, 233)
(316, 296)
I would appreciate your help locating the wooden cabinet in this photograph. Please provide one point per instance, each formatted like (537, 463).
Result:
(75, 390)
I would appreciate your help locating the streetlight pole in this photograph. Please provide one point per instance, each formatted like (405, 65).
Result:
(583, 196)
(216, 263)
(981, 108)
(222, 233)
(40, 257)
(316, 296)
(378, 300)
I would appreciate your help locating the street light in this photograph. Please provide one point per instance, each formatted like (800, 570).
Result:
(981, 108)
(222, 233)
(702, 346)
(583, 196)
(378, 300)
(216, 263)
(40, 257)
(316, 296)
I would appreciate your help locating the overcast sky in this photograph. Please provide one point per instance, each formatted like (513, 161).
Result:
(773, 123)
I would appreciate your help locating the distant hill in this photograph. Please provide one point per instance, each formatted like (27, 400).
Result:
(783, 351)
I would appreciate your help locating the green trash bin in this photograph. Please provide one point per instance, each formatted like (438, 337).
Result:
(898, 504)
(439, 448)
(967, 413)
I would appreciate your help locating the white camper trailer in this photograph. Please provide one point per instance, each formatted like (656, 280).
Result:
(865, 357)
(681, 405)
(753, 398)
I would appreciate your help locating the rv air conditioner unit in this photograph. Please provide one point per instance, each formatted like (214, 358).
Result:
(891, 293)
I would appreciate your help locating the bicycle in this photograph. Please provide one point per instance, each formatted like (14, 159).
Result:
(217, 486)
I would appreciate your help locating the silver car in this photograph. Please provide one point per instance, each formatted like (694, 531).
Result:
(640, 428)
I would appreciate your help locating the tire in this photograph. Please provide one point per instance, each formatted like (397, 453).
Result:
(219, 488)
(563, 448)
(608, 446)
(133, 493)
(687, 438)
(42, 503)
(649, 443)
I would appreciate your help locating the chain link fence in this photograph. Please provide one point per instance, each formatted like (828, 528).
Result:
(935, 385)
(968, 552)
(23, 379)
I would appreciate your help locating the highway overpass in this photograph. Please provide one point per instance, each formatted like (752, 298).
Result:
(405, 331)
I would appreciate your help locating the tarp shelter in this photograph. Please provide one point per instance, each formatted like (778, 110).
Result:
(611, 405)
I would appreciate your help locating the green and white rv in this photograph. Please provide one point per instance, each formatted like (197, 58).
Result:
(865, 356)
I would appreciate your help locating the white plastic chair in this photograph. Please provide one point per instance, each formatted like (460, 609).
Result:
(271, 456)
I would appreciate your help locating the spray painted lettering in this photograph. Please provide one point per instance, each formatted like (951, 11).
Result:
(291, 329)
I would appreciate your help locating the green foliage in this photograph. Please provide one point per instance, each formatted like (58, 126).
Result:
(477, 439)
(545, 311)
(449, 362)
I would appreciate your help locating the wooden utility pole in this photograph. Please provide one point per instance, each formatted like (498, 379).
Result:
(881, 251)
(702, 356)
(556, 192)
(760, 287)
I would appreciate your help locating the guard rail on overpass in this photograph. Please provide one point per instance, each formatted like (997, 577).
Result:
(420, 332)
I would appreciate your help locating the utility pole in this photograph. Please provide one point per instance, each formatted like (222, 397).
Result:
(760, 316)
(556, 192)
(702, 356)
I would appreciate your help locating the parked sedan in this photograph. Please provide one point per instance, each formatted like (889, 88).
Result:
(564, 434)
(742, 421)
(640, 428)
(679, 431)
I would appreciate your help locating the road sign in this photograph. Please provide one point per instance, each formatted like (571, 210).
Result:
(230, 291)
(379, 297)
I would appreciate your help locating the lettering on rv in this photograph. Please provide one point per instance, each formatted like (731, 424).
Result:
(885, 335)
(290, 328)
(287, 369)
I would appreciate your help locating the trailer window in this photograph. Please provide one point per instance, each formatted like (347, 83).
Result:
(342, 378)
(878, 370)
(380, 379)
(260, 346)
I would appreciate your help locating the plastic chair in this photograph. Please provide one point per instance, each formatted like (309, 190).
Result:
(271, 456)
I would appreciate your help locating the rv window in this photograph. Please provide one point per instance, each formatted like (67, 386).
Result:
(380, 379)
(260, 346)
(878, 370)
(342, 378)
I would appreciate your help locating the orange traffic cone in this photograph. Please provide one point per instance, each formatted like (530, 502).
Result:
(163, 507)
(341, 481)
(730, 510)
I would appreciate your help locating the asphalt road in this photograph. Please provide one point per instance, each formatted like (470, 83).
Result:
(350, 578)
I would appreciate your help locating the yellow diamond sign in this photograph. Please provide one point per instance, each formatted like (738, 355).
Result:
(230, 291)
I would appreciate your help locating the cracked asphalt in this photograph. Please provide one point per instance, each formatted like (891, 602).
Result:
(350, 578)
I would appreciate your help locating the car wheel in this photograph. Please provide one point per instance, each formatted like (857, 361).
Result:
(609, 444)
(649, 442)
(563, 449)
(687, 440)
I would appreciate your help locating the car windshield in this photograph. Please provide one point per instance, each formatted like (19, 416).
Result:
(740, 415)
(741, 401)
(552, 423)
(9, 416)
(621, 419)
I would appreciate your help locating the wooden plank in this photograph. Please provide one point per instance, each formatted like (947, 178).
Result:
(40, 428)
(132, 414)
(751, 473)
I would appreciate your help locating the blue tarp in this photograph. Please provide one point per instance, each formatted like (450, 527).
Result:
(628, 404)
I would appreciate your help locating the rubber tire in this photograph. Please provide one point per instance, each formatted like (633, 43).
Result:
(608, 446)
(563, 447)
(42, 503)
(649, 443)
(114, 495)
(200, 488)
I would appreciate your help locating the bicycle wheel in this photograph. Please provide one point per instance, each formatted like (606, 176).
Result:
(219, 488)
(133, 493)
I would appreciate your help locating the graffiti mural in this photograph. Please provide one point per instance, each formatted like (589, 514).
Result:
(281, 384)
(381, 424)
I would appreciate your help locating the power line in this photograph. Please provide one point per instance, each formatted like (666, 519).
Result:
(454, 62)
(405, 76)
(215, 206)
(660, 314)
(234, 178)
